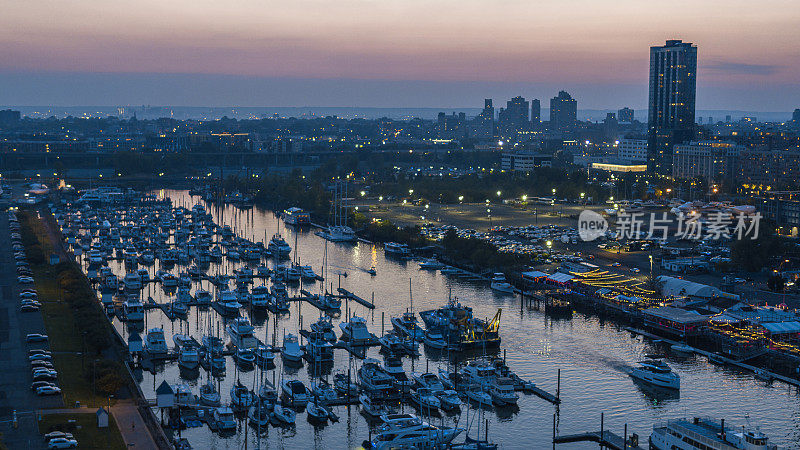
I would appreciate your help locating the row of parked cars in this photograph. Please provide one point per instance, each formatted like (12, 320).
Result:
(43, 373)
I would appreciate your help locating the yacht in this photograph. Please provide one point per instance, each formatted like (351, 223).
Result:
(500, 284)
(425, 399)
(228, 303)
(375, 380)
(657, 373)
(393, 365)
(241, 397)
(264, 354)
(479, 373)
(316, 413)
(428, 380)
(132, 309)
(434, 340)
(132, 281)
(296, 217)
(295, 392)
(430, 264)
(407, 324)
(372, 407)
(259, 414)
(318, 350)
(307, 273)
(278, 246)
(413, 435)
(259, 297)
(155, 344)
(395, 249)
(338, 233)
(704, 433)
(356, 331)
(202, 297)
(478, 395)
(241, 333)
(502, 391)
(245, 357)
(291, 349)
(448, 399)
(189, 358)
(209, 395)
(224, 419)
(324, 328)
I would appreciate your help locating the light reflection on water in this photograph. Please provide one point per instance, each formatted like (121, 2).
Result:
(591, 353)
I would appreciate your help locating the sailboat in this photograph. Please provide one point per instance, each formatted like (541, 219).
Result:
(338, 231)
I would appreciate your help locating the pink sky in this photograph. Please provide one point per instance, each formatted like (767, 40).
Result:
(569, 41)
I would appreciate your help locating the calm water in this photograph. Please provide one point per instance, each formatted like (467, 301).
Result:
(590, 352)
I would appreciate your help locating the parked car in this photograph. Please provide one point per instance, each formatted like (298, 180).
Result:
(50, 390)
(57, 443)
(36, 337)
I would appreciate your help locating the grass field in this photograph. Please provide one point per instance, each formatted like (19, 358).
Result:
(85, 430)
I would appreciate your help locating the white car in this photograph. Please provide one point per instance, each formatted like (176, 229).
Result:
(40, 357)
(36, 337)
(62, 443)
(50, 390)
(57, 434)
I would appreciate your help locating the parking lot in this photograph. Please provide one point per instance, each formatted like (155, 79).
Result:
(15, 375)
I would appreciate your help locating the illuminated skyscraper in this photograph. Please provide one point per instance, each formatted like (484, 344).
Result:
(673, 73)
(563, 112)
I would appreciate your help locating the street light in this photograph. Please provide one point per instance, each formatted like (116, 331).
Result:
(460, 198)
(499, 193)
(549, 247)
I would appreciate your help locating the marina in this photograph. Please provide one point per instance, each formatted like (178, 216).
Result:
(584, 360)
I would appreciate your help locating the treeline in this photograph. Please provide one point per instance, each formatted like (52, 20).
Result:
(480, 254)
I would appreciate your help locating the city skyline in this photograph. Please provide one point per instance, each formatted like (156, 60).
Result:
(384, 54)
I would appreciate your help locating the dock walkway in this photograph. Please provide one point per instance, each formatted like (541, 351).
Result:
(606, 438)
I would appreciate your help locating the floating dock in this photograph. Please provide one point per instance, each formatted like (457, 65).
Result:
(604, 438)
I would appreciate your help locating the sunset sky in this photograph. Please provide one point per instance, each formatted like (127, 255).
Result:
(409, 52)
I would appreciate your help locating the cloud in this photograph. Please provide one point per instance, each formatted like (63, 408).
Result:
(736, 68)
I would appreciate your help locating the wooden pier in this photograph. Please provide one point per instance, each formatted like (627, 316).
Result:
(605, 439)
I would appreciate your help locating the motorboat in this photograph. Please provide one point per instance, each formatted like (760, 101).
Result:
(430, 264)
(202, 297)
(425, 399)
(338, 233)
(264, 354)
(184, 396)
(706, 433)
(656, 373)
(295, 392)
(434, 340)
(307, 273)
(209, 395)
(132, 309)
(291, 351)
(267, 393)
(500, 284)
(422, 435)
(282, 416)
(316, 413)
(343, 386)
(178, 308)
(396, 249)
(372, 407)
(228, 303)
(244, 357)
(224, 419)
(476, 394)
(478, 372)
(325, 392)
(241, 397)
(393, 365)
(259, 415)
(324, 328)
(355, 331)
(375, 380)
(502, 391)
(259, 297)
(132, 281)
(155, 343)
(391, 342)
(241, 333)
(428, 380)
(278, 246)
(296, 217)
(318, 350)
(448, 399)
(189, 358)
(407, 324)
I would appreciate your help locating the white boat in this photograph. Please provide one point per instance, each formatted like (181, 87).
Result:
(224, 419)
(428, 380)
(307, 273)
(705, 433)
(316, 413)
(500, 284)
(282, 416)
(682, 349)
(296, 217)
(259, 415)
(132, 281)
(209, 395)
(295, 392)
(241, 333)
(338, 233)
(502, 391)
(478, 372)
(448, 399)
(476, 394)
(264, 354)
(324, 327)
(372, 407)
(434, 340)
(430, 264)
(259, 297)
(241, 397)
(228, 302)
(425, 399)
(189, 358)
(244, 357)
(355, 331)
(278, 246)
(291, 351)
(132, 309)
(202, 297)
(396, 249)
(657, 373)
(155, 343)
(374, 379)
(420, 435)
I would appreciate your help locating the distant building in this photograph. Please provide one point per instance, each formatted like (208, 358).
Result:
(632, 150)
(525, 160)
(796, 117)
(671, 105)
(610, 127)
(9, 117)
(514, 118)
(563, 112)
(536, 112)
(767, 169)
(483, 124)
(625, 115)
(451, 126)
(710, 160)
